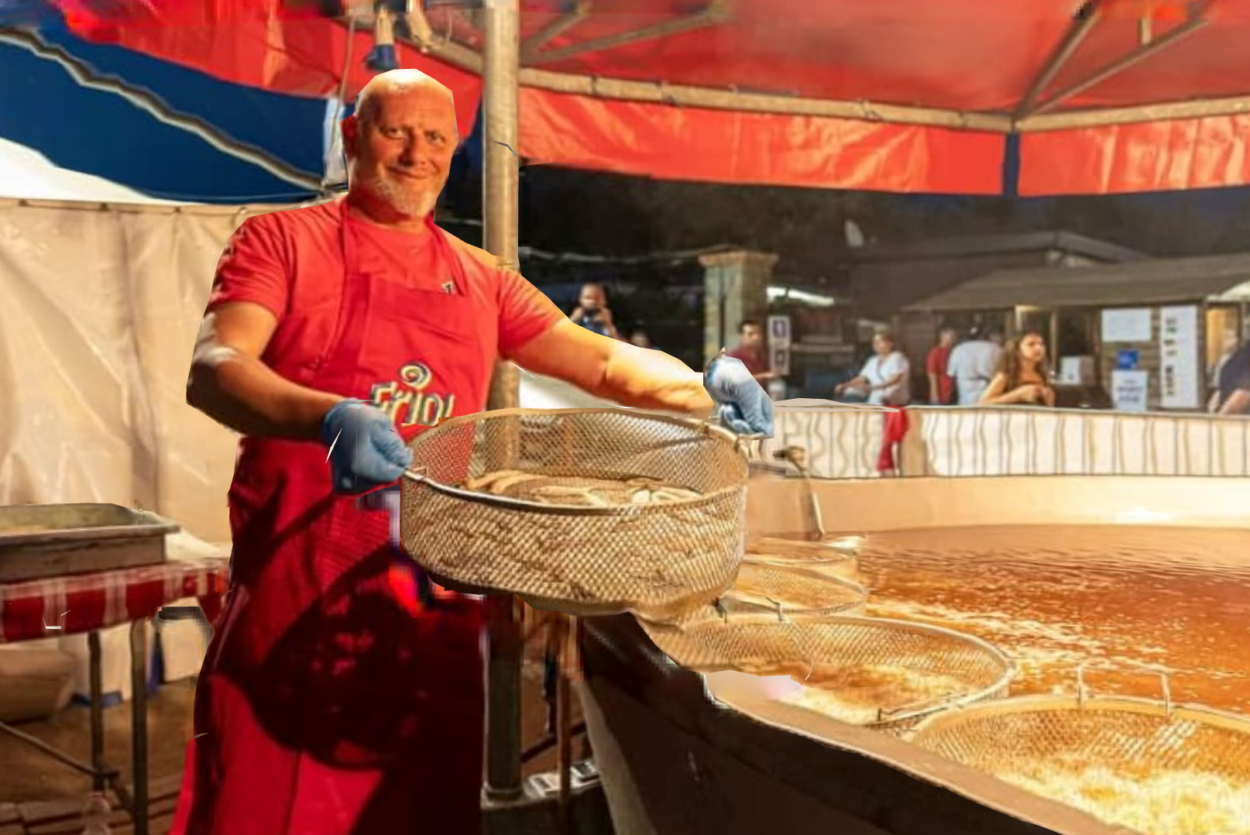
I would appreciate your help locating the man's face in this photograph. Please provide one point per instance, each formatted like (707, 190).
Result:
(752, 336)
(947, 337)
(593, 298)
(401, 152)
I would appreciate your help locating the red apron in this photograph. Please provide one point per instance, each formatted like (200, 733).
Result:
(333, 701)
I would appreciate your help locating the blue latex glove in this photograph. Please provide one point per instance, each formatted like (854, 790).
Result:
(745, 407)
(365, 450)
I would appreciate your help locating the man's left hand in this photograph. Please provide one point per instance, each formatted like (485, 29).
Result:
(745, 407)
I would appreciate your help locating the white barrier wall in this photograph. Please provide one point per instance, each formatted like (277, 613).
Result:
(845, 441)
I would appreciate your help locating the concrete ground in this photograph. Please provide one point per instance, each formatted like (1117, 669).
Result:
(40, 796)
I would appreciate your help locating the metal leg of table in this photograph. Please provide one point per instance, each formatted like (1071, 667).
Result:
(99, 779)
(139, 724)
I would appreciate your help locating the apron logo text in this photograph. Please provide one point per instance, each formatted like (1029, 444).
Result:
(408, 403)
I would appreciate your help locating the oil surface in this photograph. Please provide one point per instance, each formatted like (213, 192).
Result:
(1053, 597)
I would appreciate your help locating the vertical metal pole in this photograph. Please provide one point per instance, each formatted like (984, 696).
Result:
(501, 69)
(139, 723)
(96, 679)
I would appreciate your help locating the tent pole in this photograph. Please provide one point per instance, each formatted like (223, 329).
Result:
(535, 42)
(713, 14)
(1076, 34)
(1125, 62)
(502, 47)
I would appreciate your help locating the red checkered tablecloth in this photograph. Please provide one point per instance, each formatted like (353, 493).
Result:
(87, 602)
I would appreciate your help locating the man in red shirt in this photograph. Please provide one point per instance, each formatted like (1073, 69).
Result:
(752, 352)
(337, 697)
(941, 386)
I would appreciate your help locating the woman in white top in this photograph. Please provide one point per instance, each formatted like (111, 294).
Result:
(886, 376)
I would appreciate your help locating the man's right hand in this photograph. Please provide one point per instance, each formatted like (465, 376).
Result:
(365, 450)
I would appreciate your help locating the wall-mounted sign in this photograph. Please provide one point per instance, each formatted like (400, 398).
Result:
(779, 331)
(1126, 325)
(780, 361)
(1127, 359)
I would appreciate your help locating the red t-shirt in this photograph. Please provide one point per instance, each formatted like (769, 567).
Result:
(936, 363)
(293, 258)
(754, 362)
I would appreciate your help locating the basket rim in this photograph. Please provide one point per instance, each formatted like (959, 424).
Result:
(908, 712)
(1048, 703)
(858, 589)
(707, 428)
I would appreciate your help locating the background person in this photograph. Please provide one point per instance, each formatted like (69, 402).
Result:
(592, 312)
(1023, 375)
(885, 377)
(1232, 395)
(972, 364)
(752, 351)
(342, 693)
(941, 386)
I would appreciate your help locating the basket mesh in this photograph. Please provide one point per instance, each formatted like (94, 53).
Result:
(1126, 761)
(652, 558)
(909, 669)
(813, 556)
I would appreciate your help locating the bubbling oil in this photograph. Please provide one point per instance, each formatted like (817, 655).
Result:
(1053, 597)
(1115, 598)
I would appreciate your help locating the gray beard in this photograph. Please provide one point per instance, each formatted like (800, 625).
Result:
(406, 205)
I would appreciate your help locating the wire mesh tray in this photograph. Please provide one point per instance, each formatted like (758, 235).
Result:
(601, 511)
(873, 672)
(833, 559)
(1146, 764)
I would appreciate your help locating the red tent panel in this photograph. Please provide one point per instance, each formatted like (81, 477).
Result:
(963, 55)
(1155, 156)
(719, 146)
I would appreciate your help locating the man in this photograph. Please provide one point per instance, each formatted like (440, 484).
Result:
(972, 364)
(592, 311)
(885, 378)
(335, 697)
(1232, 396)
(941, 386)
(752, 352)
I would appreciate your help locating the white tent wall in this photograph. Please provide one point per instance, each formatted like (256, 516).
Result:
(99, 308)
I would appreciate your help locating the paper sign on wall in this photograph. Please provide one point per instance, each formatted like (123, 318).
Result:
(1178, 357)
(779, 331)
(1130, 390)
(1126, 325)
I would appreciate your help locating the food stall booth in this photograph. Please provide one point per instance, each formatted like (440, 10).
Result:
(1146, 335)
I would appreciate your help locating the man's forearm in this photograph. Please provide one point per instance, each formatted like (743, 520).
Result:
(247, 396)
(648, 379)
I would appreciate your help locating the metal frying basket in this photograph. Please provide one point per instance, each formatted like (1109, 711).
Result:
(936, 667)
(653, 558)
(1085, 750)
(821, 557)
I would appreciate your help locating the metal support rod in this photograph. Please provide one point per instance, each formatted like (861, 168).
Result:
(502, 47)
(139, 723)
(564, 743)
(1072, 40)
(1125, 62)
(717, 12)
(535, 42)
(95, 678)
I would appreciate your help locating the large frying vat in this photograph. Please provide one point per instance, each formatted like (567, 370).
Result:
(674, 762)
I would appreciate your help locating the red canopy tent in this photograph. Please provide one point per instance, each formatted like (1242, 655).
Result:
(906, 95)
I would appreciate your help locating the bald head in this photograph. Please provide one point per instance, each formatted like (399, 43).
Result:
(399, 143)
(398, 83)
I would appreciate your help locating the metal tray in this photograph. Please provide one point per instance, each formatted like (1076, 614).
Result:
(52, 540)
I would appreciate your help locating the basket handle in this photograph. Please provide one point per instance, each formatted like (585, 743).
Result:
(1083, 692)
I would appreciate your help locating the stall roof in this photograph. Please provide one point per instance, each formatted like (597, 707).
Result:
(909, 95)
(962, 247)
(1159, 281)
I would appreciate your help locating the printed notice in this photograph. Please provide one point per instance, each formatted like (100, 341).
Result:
(1178, 358)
